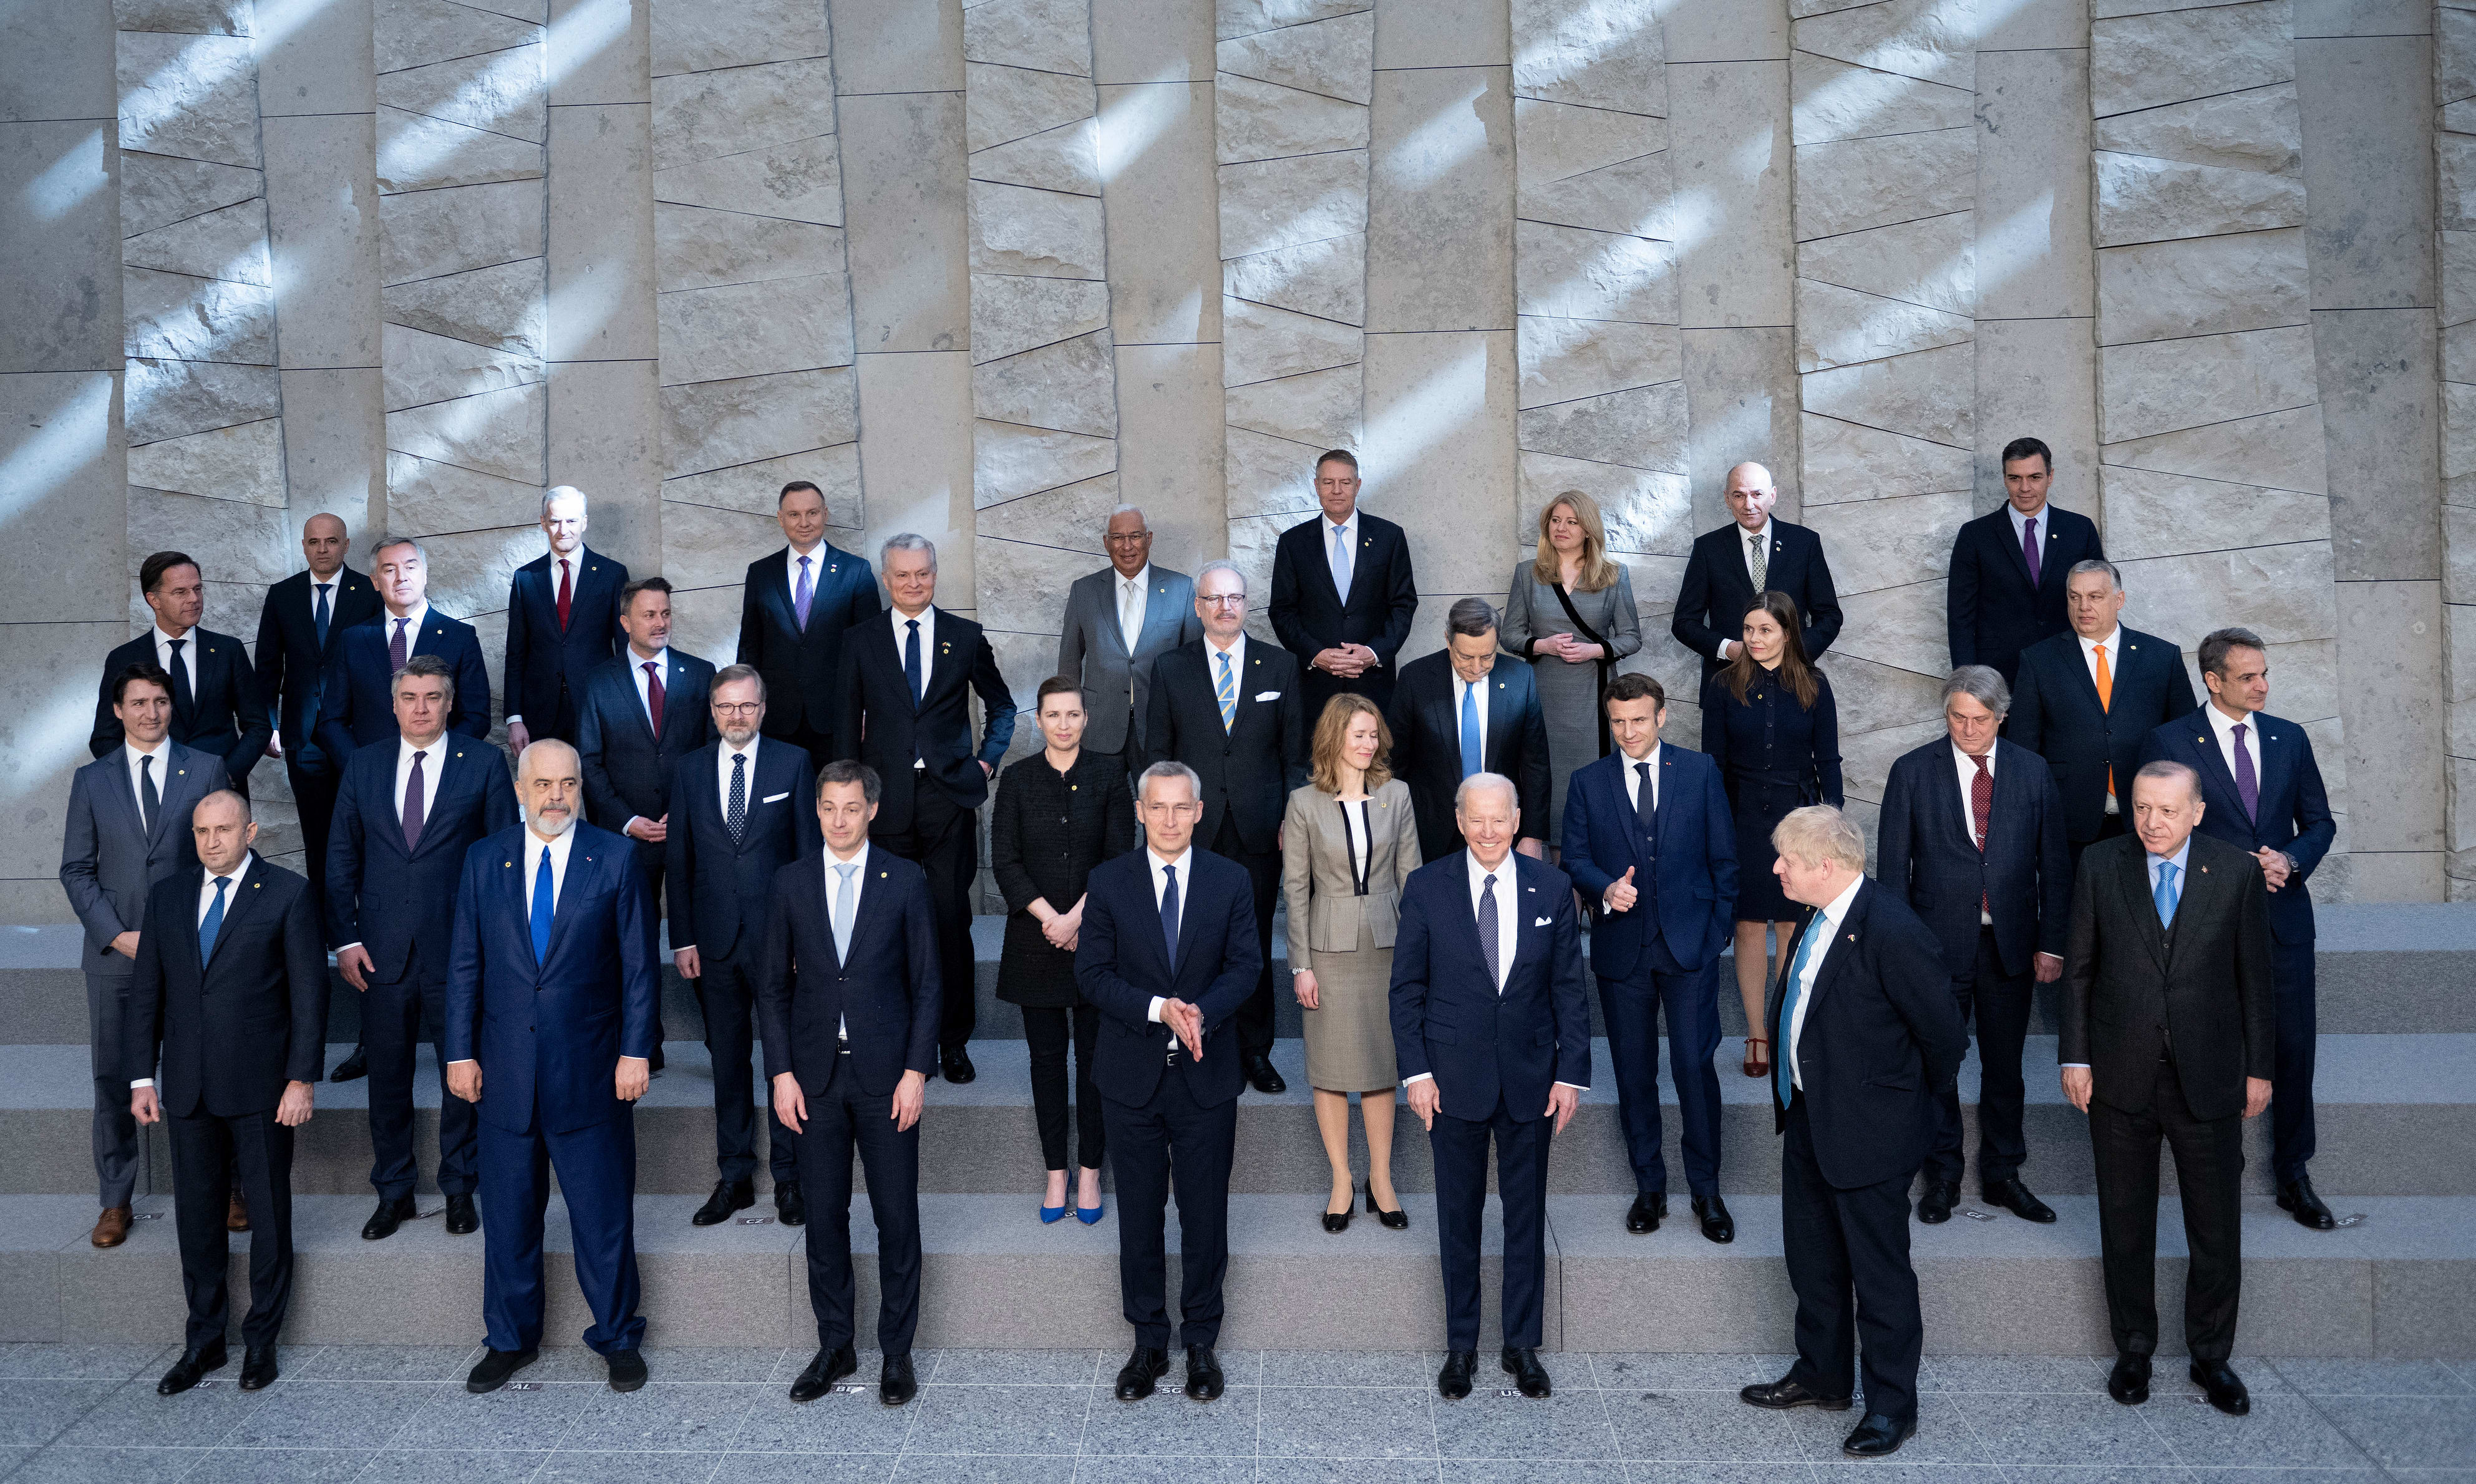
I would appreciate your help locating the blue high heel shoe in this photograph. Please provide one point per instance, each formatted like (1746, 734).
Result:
(1092, 1217)
(1050, 1215)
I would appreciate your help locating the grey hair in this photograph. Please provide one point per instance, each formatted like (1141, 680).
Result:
(732, 675)
(908, 541)
(1479, 780)
(425, 667)
(1129, 509)
(1169, 769)
(558, 492)
(384, 540)
(1818, 833)
(2163, 768)
(1981, 683)
(2096, 564)
(1470, 617)
(2213, 655)
(1220, 564)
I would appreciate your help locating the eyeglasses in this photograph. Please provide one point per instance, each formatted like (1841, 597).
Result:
(737, 707)
(1227, 601)
(1127, 537)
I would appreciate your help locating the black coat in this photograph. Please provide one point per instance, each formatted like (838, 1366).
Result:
(225, 716)
(355, 707)
(234, 1030)
(1717, 591)
(626, 768)
(718, 887)
(291, 662)
(1122, 961)
(1048, 831)
(802, 667)
(885, 990)
(548, 668)
(1427, 747)
(880, 725)
(2202, 993)
(1989, 612)
(1249, 769)
(2055, 714)
(1308, 617)
(400, 905)
(1927, 853)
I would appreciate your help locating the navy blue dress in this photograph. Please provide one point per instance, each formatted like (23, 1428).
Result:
(1775, 755)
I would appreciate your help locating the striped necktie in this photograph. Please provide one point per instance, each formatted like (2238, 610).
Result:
(1227, 689)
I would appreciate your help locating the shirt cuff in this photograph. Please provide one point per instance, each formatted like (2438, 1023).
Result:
(1424, 1076)
(682, 947)
(514, 720)
(631, 825)
(356, 943)
(465, 1061)
(2084, 1066)
(1153, 1013)
(143, 1081)
(1579, 1087)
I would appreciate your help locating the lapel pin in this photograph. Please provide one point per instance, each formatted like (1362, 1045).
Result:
(184, 773)
(508, 865)
(1852, 937)
(881, 875)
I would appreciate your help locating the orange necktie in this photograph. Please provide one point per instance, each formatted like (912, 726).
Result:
(2105, 702)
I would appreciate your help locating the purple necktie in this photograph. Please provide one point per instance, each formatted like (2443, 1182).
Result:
(396, 645)
(413, 809)
(2029, 548)
(2247, 782)
(801, 595)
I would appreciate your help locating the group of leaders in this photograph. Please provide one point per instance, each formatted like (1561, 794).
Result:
(812, 811)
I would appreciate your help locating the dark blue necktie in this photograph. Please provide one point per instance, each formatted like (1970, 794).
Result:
(545, 902)
(213, 922)
(1473, 737)
(911, 661)
(323, 614)
(1169, 915)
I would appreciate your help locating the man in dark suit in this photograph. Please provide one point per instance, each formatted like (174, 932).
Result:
(1756, 554)
(1228, 707)
(1865, 1032)
(2088, 698)
(1971, 838)
(1167, 952)
(407, 813)
(794, 609)
(1343, 592)
(562, 624)
(906, 683)
(215, 705)
(1119, 620)
(644, 709)
(231, 989)
(355, 707)
(297, 630)
(2169, 1032)
(1649, 842)
(746, 809)
(551, 990)
(848, 989)
(1492, 1029)
(2264, 794)
(128, 828)
(2006, 588)
(1469, 709)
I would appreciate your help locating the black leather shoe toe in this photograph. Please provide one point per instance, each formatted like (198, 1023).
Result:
(1713, 1213)
(1454, 1381)
(1645, 1215)
(190, 1370)
(821, 1373)
(384, 1222)
(1934, 1208)
(627, 1370)
(1528, 1375)
(729, 1198)
(895, 1382)
(1877, 1437)
(2224, 1388)
(2298, 1198)
(463, 1218)
(2129, 1382)
(1263, 1075)
(2014, 1197)
(958, 1065)
(1142, 1369)
(1203, 1379)
(495, 1367)
(352, 1067)
(790, 1207)
(258, 1370)
(1787, 1392)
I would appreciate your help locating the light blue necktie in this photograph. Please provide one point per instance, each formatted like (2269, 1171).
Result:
(1227, 689)
(843, 908)
(1341, 561)
(545, 902)
(1473, 740)
(214, 921)
(1816, 931)
(2165, 893)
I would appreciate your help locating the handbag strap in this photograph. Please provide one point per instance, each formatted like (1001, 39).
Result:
(1605, 662)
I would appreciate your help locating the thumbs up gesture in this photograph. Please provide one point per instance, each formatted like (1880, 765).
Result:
(1621, 894)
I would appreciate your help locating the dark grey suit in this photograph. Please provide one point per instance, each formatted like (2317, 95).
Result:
(1091, 648)
(107, 865)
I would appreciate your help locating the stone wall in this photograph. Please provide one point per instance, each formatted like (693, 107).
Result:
(984, 270)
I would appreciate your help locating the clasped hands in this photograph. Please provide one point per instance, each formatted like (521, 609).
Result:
(1346, 660)
(1424, 1100)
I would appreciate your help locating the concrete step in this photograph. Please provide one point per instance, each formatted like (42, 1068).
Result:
(2396, 1116)
(2401, 1283)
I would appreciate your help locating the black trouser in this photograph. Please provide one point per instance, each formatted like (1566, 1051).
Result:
(2290, 1100)
(944, 840)
(818, 745)
(727, 992)
(1848, 1262)
(208, 1153)
(2000, 1003)
(1264, 874)
(1459, 1147)
(1046, 1031)
(2209, 1176)
(2109, 827)
(314, 790)
(842, 1118)
(1631, 1007)
(396, 1018)
(1173, 1139)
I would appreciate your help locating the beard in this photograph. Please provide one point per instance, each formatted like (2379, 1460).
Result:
(550, 827)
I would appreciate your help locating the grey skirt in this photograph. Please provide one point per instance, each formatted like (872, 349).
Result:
(1350, 1038)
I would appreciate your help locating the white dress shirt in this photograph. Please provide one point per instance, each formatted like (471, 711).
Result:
(927, 617)
(206, 903)
(2182, 861)
(1633, 778)
(1508, 924)
(819, 569)
(412, 619)
(1747, 540)
(2020, 529)
(1324, 527)
(1461, 688)
(1237, 653)
(2113, 644)
(860, 888)
(1826, 922)
(1967, 767)
(2223, 727)
(534, 846)
(1133, 602)
(723, 754)
(1184, 863)
(431, 767)
(133, 756)
(188, 660)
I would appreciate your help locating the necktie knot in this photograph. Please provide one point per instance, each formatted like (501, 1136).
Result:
(221, 883)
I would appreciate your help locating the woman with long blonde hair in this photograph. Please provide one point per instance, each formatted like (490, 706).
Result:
(1571, 613)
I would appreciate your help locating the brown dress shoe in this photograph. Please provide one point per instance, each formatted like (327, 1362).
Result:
(112, 1228)
(236, 1216)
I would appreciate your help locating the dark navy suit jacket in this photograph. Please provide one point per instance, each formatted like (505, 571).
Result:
(354, 705)
(885, 989)
(291, 662)
(1449, 1021)
(541, 657)
(400, 905)
(233, 1029)
(880, 725)
(718, 887)
(1688, 883)
(626, 768)
(1309, 616)
(1428, 745)
(549, 1033)
(1122, 960)
(1990, 612)
(225, 717)
(801, 666)
(1927, 854)
(2294, 815)
(2055, 714)
(1717, 591)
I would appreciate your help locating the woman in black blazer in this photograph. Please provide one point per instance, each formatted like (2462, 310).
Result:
(1058, 816)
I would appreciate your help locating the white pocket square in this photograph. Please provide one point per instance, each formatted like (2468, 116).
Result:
(1268, 695)
(772, 798)
(1539, 921)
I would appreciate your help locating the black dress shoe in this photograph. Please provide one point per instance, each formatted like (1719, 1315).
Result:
(823, 1371)
(1454, 1381)
(1204, 1383)
(1522, 1365)
(1645, 1215)
(2297, 1196)
(1877, 1437)
(895, 1382)
(1934, 1208)
(1263, 1076)
(1713, 1213)
(462, 1220)
(1394, 1220)
(2225, 1389)
(653, 1063)
(190, 1368)
(353, 1067)
(391, 1214)
(790, 1207)
(958, 1065)
(1788, 1392)
(258, 1370)
(729, 1197)
(627, 1370)
(2014, 1197)
(1338, 1222)
(495, 1367)
(1142, 1369)
(2129, 1382)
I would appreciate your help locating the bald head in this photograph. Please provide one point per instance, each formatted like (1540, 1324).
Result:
(224, 831)
(550, 783)
(1751, 495)
(323, 542)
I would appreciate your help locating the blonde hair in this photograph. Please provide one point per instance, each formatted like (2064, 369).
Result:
(1332, 729)
(1598, 569)
(1818, 833)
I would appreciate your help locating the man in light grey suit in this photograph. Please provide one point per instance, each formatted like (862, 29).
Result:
(1118, 621)
(128, 828)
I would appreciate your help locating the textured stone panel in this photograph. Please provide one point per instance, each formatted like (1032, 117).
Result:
(2038, 374)
(499, 306)
(754, 329)
(707, 115)
(1049, 35)
(239, 543)
(1890, 542)
(2159, 290)
(501, 92)
(1069, 520)
(1564, 360)
(1440, 189)
(2455, 163)
(898, 46)
(2032, 196)
(1930, 395)
(156, 191)
(1838, 327)
(1601, 53)
(2376, 371)
(1632, 197)
(1930, 40)
(2457, 275)
(1320, 409)
(1245, 17)
(424, 154)
(196, 17)
(1741, 397)
(1136, 42)
(2144, 61)
(1555, 140)
(427, 234)
(422, 367)
(245, 463)
(1170, 457)
(1571, 274)
(323, 237)
(1647, 510)
(1326, 279)
(698, 36)
(1270, 476)
(491, 432)
(2283, 592)
(601, 240)
(1332, 57)
(695, 248)
(1069, 385)
(713, 424)
(904, 186)
(1009, 461)
(1897, 629)
(1643, 428)
(2283, 450)
(472, 570)
(2372, 241)
(2145, 200)
(316, 61)
(1010, 314)
(1729, 124)
(414, 33)
(1162, 223)
(1845, 461)
(1024, 586)
(166, 399)
(2162, 387)
(1855, 184)
(797, 182)
(1059, 159)
(1037, 234)
(1255, 120)
(1005, 104)
(229, 243)
(166, 315)
(705, 554)
(1283, 203)
(335, 442)
(755, 489)
(193, 96)
(2256, 129)
(1931, 263)
(1259, 342)
(1831, 100)
(1438, 408)
(2152, 515)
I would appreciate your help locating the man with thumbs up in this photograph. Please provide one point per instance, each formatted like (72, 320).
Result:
(1649, 844)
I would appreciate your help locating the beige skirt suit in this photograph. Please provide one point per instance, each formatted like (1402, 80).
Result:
(1342, 883)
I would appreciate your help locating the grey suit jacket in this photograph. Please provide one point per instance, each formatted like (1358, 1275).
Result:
(1325, 911)
(1091, 649)
(107, 865)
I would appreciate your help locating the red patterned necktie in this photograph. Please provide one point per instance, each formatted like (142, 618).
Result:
(654, 695)
(565, 594)
(1981, 803)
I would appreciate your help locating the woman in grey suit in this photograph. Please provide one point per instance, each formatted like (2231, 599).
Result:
(1571, 613)
(1350, 841)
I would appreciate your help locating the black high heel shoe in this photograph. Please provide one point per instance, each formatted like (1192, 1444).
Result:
(1394, 1220)
(1338, 1222)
